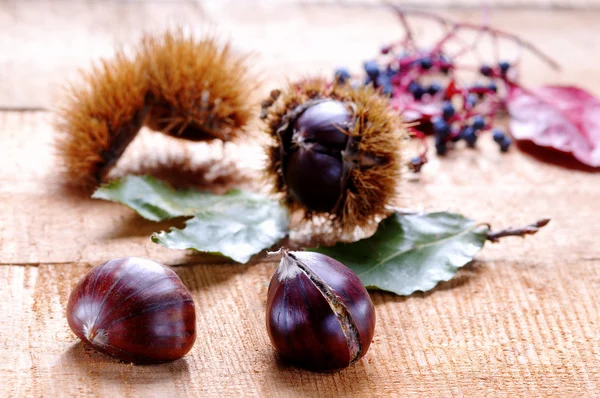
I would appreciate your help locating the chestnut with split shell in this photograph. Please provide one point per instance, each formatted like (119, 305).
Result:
(134, 309)
(319, 315)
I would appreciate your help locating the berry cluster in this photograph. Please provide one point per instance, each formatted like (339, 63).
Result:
(424, 85)
(440, 107)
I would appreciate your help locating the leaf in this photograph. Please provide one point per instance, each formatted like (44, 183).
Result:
(410, 253)
(238, 224)
(564, 118)
(417, 111)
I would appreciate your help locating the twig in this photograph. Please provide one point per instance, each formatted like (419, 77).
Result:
(401, 12)
(527, 230)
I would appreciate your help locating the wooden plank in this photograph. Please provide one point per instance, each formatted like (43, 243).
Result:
(17, 286)
(521, 321)
(283, 36)
(524, 327)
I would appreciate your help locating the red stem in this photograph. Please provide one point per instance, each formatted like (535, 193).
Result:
(401, 13)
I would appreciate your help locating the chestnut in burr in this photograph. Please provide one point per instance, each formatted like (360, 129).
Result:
(135, 310)
(334, 154)
(319, 315)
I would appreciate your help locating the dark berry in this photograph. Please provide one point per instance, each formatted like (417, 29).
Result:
(440, 146)
(505, 144)
(504, 66)
(391, 71)
(455, 135)
(447, 110)
(492, 87)
(445, 64)
(426, 63)
(470, 136)
(384, 84)
(385, 50)
(485, 70)
(441, 128)
(498, 135)
(434, 88)
(372, 69)
(342, 75)
(416, 90)
(418, 94)
(387, 89)
(478, 122)
(416, 163)
(479, 90)
(472, 99)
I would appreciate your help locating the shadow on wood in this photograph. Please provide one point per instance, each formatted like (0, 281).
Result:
(291, 381)
(554, 157)
(111, 370)
(134, 225)
(199, 277)
(181, 171)
(464, 276)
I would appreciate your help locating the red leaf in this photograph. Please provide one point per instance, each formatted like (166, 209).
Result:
(563, 118)
(414, 111)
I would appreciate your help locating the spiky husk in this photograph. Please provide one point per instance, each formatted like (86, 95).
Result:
(181, 86)
(371, 189)
(201, 89)
(99, 118)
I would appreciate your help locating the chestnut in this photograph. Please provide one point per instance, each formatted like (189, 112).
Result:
(319, 315)
(314, 169)
(135, 310)
(334, 154)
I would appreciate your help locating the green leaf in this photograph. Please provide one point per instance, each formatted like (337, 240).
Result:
(238, 224)
(414, 252)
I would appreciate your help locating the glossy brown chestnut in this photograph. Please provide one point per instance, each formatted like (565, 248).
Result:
(134, 309)
(313, 168)
(319, 315)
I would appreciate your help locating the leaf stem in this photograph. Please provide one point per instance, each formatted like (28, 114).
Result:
(530, 229)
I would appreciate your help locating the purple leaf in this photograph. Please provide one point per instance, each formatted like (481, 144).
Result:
(563, 118)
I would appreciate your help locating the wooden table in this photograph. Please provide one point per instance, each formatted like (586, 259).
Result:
(522, 320)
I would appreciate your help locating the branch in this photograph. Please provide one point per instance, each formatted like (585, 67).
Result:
(527, 230)
(401, 13)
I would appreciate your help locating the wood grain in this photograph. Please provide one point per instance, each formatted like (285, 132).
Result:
(520, 321)
(525, 327)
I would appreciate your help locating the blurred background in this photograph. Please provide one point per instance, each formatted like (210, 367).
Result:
(43, 43)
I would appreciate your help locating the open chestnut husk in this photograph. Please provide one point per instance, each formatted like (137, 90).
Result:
(319, 315)
(334, 151)
(135, 310)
